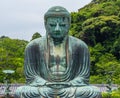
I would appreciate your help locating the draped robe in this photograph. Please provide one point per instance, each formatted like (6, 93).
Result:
(77, 73)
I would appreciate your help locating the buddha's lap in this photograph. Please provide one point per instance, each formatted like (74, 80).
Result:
(78, 89)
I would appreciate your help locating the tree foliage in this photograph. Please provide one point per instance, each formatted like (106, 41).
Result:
(36, 35)
(12, 57)
(100, 29)
(98, 24)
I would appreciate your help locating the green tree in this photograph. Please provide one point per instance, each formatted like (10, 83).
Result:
(36, 35)
(100, 30)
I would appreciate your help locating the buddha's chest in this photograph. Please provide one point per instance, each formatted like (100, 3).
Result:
(57, 60)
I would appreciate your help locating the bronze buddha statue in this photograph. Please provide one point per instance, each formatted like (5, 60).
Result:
(57, 65)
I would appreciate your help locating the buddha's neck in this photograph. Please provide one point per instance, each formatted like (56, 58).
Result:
(58, 42)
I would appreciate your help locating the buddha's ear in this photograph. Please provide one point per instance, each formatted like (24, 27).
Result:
(46, 26)
(45, 23)
(69, 20)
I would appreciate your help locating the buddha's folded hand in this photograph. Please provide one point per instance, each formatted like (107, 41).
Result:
(58, 85)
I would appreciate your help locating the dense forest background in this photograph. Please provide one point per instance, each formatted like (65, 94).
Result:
(98, 24)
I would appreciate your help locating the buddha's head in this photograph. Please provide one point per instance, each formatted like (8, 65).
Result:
(57, 22)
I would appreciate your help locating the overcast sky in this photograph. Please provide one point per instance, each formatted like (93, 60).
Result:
(22, 18)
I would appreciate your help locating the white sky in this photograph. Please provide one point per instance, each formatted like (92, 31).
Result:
(22, 18)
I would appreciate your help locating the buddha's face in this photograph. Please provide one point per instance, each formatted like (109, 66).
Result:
(57, 27)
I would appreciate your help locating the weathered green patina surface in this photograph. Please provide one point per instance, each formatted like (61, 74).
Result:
(57, 65)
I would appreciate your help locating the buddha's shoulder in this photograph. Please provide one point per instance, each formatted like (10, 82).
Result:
(36, 42)
(77, 42)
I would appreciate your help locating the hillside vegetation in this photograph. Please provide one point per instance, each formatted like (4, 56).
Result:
(98, 24)
(12, 57)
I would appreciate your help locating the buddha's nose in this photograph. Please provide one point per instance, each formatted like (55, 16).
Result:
(57, 28)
